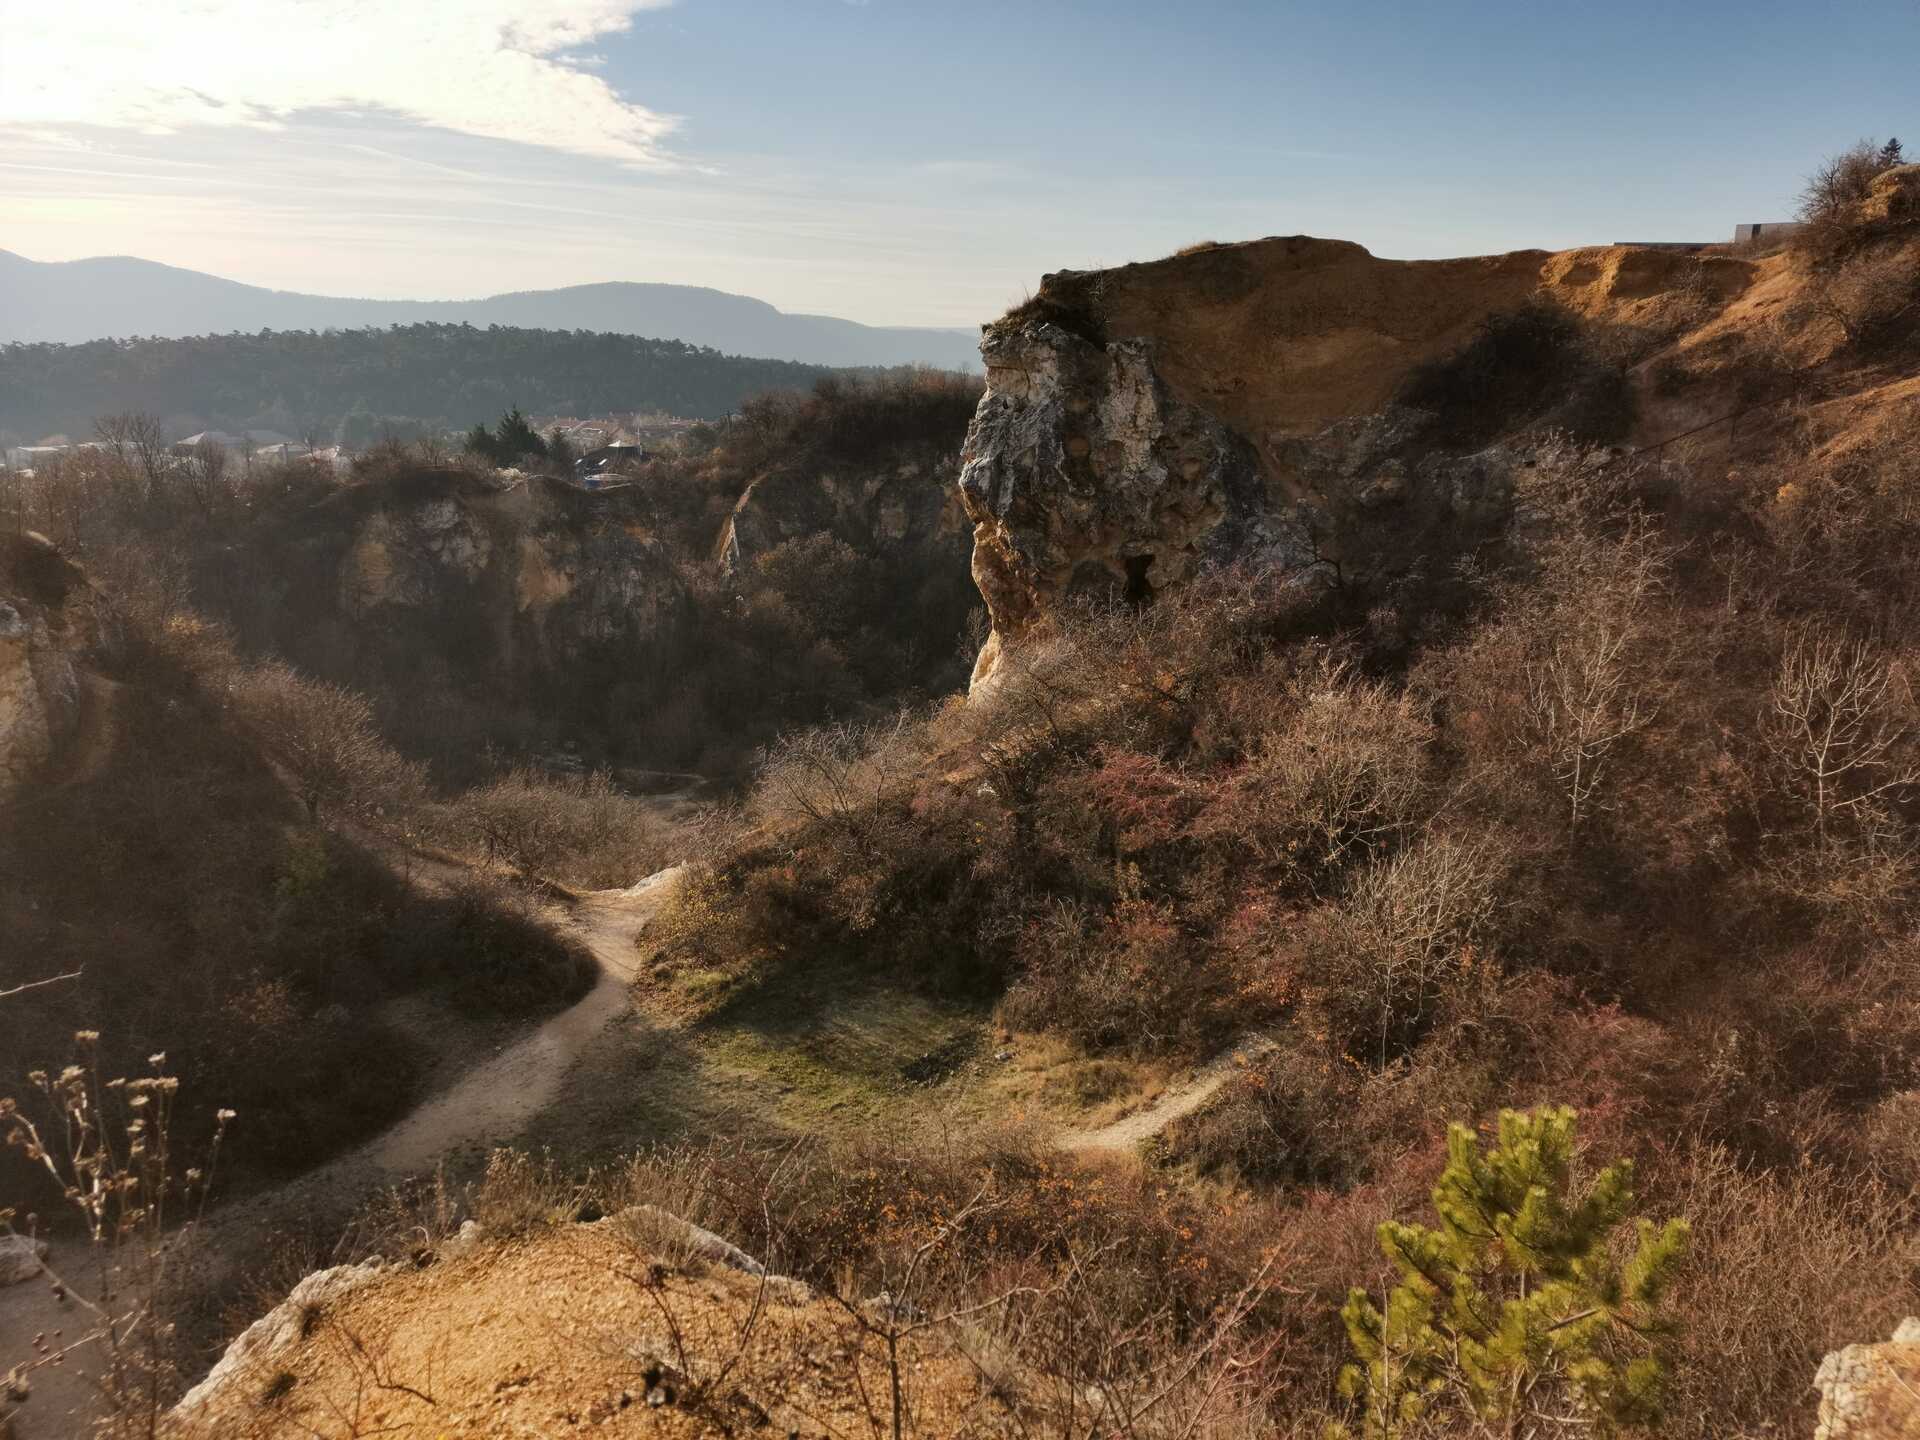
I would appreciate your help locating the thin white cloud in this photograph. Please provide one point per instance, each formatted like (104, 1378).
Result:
(500, 69)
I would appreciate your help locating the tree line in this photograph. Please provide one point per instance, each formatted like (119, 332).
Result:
(356, 387)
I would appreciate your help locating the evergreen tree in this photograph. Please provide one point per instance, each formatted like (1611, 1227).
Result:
(1891, 154)
(514, 438)
(1514, 1306)
(481, 442)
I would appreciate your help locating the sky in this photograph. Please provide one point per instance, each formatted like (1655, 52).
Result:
(905, 161)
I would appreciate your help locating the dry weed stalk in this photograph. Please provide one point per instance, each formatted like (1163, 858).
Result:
(106, 1145)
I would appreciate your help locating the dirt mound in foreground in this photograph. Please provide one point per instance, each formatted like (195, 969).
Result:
(589, 1326)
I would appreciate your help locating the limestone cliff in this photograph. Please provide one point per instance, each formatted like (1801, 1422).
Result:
(1238, 402)
(497, 581)
(1142, 423)
(1085, 472)
(45, 624)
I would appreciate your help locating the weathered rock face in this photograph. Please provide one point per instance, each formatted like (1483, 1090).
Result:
(404, 556)
(1872, 1392)
(900, 500)
(497, 581)
(43, 629)
(1083, 472)
(1894, 197)
(1227, 405)
(248, 1360)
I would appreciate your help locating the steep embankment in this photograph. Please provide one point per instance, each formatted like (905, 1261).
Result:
(806, 561)
(1261, 400)
(46, 624)
(485, 1105)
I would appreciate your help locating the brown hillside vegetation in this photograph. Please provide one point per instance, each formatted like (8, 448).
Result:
(193, 874)
(1450, 691)
(1466, 838)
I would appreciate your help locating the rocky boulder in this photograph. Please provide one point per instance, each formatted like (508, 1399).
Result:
(1894, 197)
(1872, 1392)
(20, 1259)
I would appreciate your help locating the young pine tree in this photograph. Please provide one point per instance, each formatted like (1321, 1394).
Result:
(1515, 1313)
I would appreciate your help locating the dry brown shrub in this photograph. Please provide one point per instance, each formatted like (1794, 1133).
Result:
(579, 829)
(1785, 1267)
(1336, 768)
(1888, 1142)
(519, 1193)
(329, 741)
(1874, 297)
(1831, 200)
(1413, 931)
(1134, 979)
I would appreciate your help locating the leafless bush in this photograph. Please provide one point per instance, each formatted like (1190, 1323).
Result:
(1890, 1141)
(1830, 199)
(1582, 701)
(1785, 1267)
(1873, 297)
(829, 774)
(1339, 769)
(1133, 980)
(1840, 726)
(583, 829)
(1411, 928)
(329, 741)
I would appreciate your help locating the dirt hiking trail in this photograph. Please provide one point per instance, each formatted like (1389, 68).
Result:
(1183, 1099)
(495, 1099)
(490, 1103)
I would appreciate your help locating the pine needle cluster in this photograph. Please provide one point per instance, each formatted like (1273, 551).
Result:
(1526, 1309)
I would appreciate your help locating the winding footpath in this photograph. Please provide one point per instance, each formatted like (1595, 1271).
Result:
(490, 1103)
(1128, 1131)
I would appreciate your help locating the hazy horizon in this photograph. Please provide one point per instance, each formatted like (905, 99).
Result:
(894, 163)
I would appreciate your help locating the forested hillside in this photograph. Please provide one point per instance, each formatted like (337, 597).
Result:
(352, 386)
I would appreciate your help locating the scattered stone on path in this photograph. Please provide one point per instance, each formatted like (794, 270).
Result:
(20, 1258)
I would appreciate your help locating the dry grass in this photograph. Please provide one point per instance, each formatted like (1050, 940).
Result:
(1450, 879)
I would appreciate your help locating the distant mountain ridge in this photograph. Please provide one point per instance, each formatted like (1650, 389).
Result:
(72, 301)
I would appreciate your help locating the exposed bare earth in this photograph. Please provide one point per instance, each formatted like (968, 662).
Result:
(489, 1104)
(1182, 1099)
(577, 1329)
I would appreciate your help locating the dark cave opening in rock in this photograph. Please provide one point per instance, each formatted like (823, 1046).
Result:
(1139, 589)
